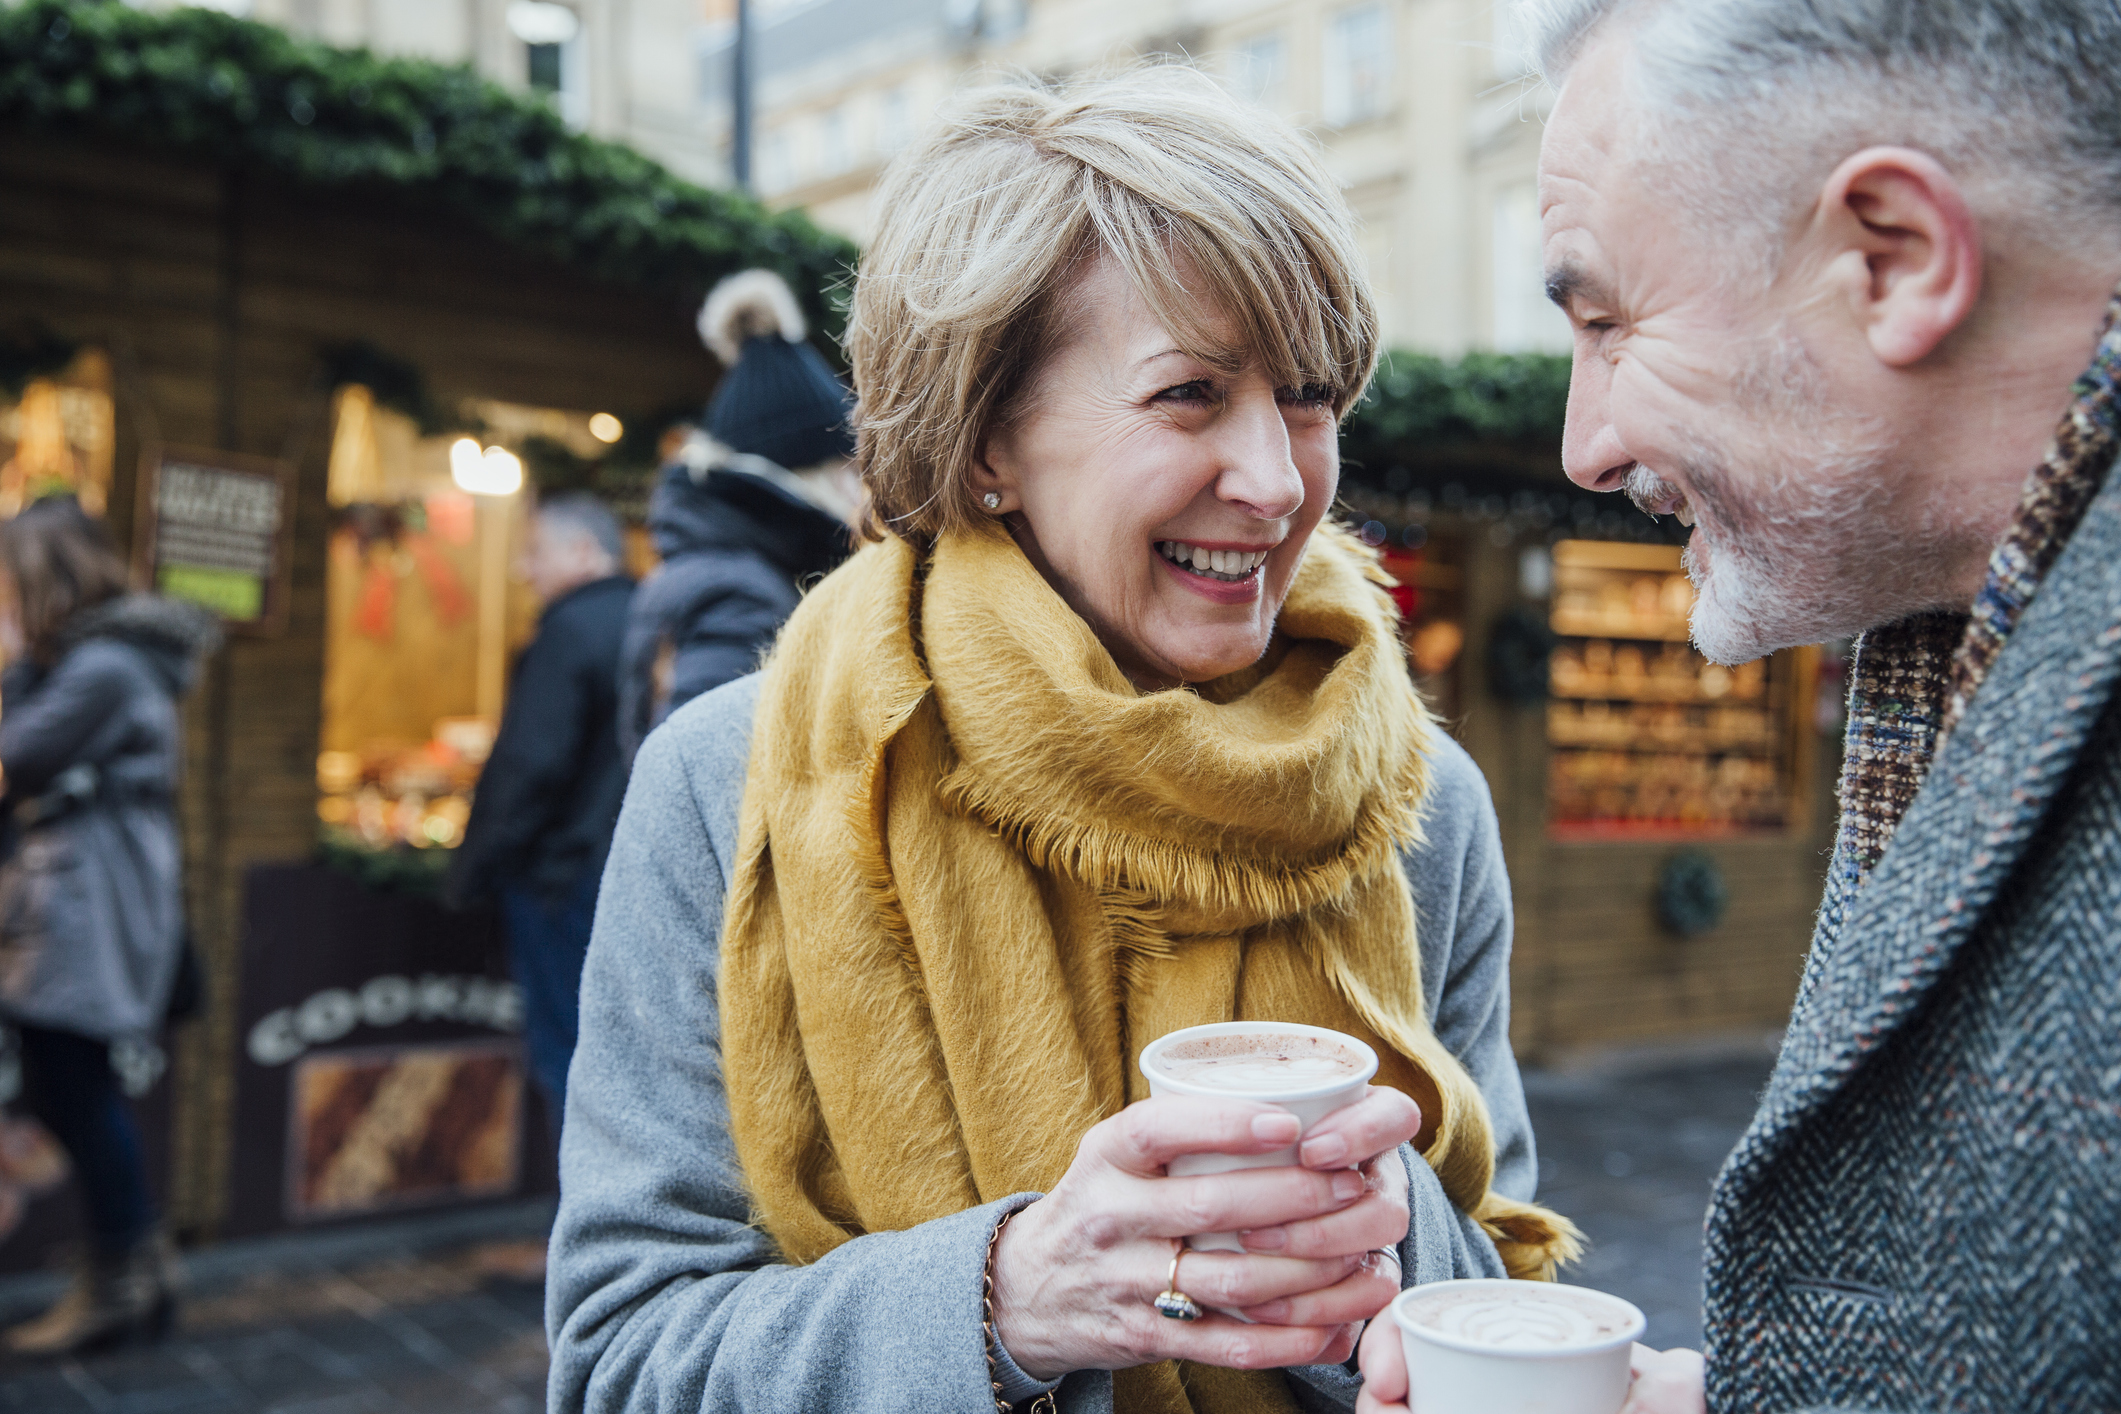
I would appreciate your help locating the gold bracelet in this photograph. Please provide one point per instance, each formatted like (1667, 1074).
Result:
(1044, 1403)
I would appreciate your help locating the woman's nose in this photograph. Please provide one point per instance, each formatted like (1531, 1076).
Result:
(1259, 474)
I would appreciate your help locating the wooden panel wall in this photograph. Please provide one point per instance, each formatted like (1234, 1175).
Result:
(214, 291)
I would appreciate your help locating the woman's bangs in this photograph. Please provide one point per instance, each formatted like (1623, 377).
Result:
(1230, 303)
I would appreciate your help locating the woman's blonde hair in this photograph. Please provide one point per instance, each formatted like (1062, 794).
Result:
(1222, 216)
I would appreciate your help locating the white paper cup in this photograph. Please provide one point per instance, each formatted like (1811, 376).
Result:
(1309, 1106)
(1451, 1374)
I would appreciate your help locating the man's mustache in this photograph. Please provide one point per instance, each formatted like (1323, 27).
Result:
(1652, 494)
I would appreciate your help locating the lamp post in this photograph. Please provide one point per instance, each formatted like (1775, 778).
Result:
(740, 99)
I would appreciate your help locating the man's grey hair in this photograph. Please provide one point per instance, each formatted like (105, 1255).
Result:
(579, 513)
(1757, 101)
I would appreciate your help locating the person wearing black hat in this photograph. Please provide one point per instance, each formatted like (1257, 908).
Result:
(752, 507)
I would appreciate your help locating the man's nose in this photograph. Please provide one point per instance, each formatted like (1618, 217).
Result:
(1259, 475)
(1591, 451)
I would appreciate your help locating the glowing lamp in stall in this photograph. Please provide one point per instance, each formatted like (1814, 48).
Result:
(606, 428)
(488, 471)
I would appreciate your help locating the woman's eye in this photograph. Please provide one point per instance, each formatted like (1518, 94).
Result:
(1197, 391)
(1309, 395)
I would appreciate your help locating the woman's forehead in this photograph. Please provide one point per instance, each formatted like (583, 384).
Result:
(1177, 320)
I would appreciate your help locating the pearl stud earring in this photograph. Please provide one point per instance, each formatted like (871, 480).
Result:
(992, 500)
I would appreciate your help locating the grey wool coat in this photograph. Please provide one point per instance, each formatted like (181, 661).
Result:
(91, 896)
(1926, 1212)
(660, 1294)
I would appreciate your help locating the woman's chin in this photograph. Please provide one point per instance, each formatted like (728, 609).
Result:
(1206, 654)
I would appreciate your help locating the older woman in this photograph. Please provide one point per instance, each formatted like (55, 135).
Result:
(1103, 735)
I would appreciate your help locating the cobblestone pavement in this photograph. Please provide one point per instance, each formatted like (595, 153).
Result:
(1628, 1149)
(410, 1318)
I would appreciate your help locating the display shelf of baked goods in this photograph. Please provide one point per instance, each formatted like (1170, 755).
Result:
(1647, 738)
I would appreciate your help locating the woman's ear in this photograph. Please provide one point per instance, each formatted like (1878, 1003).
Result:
(994, 474)
(1904, 247)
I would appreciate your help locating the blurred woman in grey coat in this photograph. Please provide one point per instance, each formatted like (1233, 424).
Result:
(91, 904)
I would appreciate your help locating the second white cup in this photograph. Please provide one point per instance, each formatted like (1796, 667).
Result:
(1492, 1346)
(1310, 1103)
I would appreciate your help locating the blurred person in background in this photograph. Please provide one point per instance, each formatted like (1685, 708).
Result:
(91, 901)
(1846, 285)
(752, 508)
(549, 795)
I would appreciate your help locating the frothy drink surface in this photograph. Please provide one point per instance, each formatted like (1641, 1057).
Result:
(1518, 1320)
(1266, 1062)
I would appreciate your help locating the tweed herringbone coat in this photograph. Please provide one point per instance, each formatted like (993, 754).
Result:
(1926, 1212)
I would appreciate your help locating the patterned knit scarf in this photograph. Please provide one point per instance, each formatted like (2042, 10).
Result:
(1911, 681)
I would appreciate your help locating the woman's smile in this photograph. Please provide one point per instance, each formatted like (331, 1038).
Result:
(1217, 570)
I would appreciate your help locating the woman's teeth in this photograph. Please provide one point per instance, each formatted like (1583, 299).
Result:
(1231, 565)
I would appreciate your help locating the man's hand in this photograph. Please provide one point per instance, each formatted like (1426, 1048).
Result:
(1666, 1382)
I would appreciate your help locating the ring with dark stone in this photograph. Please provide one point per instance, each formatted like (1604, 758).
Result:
(1171, 1302)
(1178, 1306)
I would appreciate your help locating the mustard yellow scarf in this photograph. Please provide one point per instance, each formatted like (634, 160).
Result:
(978, 871)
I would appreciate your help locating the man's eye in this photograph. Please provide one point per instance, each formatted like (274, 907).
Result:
(1309, 395)
(1197, 391)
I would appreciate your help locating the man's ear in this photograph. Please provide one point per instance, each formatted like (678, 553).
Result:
(1904, 248)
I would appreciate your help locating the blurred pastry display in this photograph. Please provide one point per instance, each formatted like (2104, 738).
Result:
(392, 795)
(1646, 735)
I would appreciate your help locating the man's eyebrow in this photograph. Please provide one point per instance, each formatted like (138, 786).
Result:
(1569, 281)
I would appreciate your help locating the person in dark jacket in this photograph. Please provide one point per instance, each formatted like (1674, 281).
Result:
(739, 532)
(91, 900)
(549, 795)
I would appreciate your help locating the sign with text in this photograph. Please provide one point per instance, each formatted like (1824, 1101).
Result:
(215, 529)
(380, 1060)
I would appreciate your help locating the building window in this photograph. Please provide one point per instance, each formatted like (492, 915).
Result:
(1259, 69)
(1511, 58)
(833, 153)
(1358, 65)
(894, 120)
(1522, 318)
(553, 60)
(776, 162)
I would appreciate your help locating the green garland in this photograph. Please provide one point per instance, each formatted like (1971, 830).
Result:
(240, 93)
(1419, 403)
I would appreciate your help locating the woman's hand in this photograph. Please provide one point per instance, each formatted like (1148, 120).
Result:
(1076, 1273)
(1665, 1381)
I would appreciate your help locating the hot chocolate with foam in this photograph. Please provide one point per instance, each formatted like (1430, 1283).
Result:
(1263, 1062)
(1515, 1318)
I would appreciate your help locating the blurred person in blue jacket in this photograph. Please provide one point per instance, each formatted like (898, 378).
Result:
(753, 507)
(549, 795)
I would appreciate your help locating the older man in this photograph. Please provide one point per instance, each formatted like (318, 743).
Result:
(1843, 278)
(548, 799)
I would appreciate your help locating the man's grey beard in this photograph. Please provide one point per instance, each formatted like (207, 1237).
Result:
(1801, 548)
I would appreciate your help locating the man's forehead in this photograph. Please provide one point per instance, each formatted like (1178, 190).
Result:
(1579, 152)
(1587, 186)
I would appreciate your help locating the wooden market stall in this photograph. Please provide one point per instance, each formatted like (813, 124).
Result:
(1667, 820)
(254, 297)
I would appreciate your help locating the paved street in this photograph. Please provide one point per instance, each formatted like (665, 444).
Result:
(1628, 1149)
(407, 1319)
(412, 1318)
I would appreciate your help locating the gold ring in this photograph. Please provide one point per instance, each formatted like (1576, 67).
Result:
(1171, 1301)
